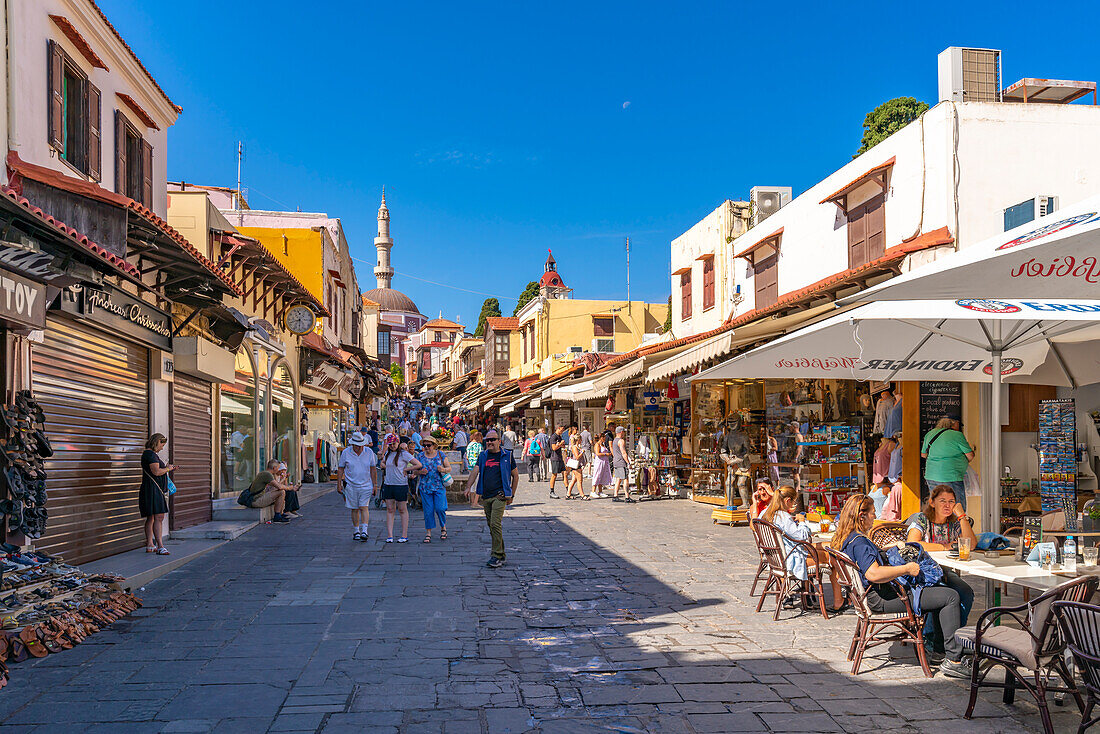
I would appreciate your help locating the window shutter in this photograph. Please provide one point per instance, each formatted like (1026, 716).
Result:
(685, 295)
(708, 283)
(146, 174)
(875, 228)
(857, 236)
(603, 327)
(95, 135)
(120, 153)
(55, 71)
(766, 275)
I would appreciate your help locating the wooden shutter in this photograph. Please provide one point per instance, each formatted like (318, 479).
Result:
(874, 227)
(120, 153)
(603, 327)
(147, 175)
(708, 283)
(685, 295)
(857, 236)
(95, 135)
(55, 72)
(767, 281)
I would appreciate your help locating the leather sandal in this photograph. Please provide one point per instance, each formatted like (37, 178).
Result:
(29, 636)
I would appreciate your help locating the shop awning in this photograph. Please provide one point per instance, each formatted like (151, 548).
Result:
(568, 390)
(724, 343)
(516, 404)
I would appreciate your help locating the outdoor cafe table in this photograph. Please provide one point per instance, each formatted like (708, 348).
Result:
(1005, 569)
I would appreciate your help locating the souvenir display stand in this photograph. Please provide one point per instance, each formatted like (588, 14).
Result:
(1058, 458)
(835, 466)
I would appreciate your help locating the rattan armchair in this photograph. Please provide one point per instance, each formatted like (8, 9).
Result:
(772, 543)
(1079, 624)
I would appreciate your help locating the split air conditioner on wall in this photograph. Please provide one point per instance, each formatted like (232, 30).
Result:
(1027, 211)
(767, 200)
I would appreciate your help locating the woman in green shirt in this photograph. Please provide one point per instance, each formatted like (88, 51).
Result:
(947, 454)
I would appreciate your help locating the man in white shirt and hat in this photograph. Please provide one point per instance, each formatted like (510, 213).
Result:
(356, 481)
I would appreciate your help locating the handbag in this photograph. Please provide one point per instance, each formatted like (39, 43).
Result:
(573, 463)
(171, 487)
(447, 479)
(168, 490)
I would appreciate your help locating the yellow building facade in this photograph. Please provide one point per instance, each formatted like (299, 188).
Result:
(552, 332)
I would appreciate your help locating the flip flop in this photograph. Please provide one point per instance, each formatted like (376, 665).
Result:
(428, 539)
(442, 534)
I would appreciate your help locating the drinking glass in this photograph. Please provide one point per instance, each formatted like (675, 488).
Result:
(964, 549)
(1090, 555)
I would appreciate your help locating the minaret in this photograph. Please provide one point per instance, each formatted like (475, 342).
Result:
(383, 243)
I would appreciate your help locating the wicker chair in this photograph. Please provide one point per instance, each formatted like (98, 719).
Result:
(761, 570)
(1036, 646)
(1079, 624)
(888, 533)
(874, 628)
(772, 543)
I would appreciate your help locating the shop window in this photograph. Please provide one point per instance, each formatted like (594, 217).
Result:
(766, 278)
(867, 231)
(284, 421)
(708, 283)
(75, 117)
(685, 296)
(237, 426)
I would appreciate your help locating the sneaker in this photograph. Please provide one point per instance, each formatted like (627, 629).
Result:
(280, 519)
(934, 657)
(554, 495)
(358, 536)
(631, 500)
(617, 499)
(495, 563)
(956, 668)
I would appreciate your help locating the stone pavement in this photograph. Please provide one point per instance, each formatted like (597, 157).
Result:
(607, 617)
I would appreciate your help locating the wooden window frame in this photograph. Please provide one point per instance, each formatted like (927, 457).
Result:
(85, 153)
(685, 295)
(143, 187)
(766, 281)
(599, 333)
(708, 283)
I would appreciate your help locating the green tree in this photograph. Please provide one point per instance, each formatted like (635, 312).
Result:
(491, 307)
(886, 119)
(668, 317)
(397, 372)
(529, 292)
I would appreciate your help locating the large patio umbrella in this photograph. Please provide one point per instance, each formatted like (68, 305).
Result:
(966, 340)
(1056, 255)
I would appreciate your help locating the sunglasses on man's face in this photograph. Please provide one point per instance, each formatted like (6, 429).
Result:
(492, 439)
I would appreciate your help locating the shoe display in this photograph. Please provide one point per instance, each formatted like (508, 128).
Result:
(23, 446)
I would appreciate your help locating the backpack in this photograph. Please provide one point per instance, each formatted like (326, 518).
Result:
(534, 449)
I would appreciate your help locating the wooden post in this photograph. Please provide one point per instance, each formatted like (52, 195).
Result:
(910, 447)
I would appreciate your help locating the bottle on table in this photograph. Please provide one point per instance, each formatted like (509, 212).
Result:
(1069, 555)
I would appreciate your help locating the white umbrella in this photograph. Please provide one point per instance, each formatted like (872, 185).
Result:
(966, 340)
(1058, 254)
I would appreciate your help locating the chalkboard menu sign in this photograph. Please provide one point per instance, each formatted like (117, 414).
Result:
(938, 400)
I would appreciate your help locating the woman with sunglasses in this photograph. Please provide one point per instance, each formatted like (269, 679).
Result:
(433, 495)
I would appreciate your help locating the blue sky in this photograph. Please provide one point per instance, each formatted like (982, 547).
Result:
(503, 129)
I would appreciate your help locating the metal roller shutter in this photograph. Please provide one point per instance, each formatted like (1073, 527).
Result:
(191, 441)
(94, 389)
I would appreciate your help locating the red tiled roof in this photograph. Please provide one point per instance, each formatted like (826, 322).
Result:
(93, 191)
(936, 238)
(134, 56)
(79, 41)
(442, 324)
(79, 239)
(502, 323)
(144, 116)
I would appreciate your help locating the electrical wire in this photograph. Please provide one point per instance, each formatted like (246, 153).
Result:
(442, 285)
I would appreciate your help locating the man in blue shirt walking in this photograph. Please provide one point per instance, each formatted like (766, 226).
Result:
(496, 476)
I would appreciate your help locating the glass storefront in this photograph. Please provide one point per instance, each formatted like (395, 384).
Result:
(237, 426)
(284, 419)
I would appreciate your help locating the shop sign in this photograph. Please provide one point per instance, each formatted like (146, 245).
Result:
(984, 305)
(22, 301)
(120, 312)
(34, 264)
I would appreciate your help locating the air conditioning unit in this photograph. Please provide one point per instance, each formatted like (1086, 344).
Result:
(605, 345)
(1027, 211)
(576, 350)
(970, 75)
(767, 200)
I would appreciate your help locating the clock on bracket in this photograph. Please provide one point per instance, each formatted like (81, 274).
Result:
(300, 319)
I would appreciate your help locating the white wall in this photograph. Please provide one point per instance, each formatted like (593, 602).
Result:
(1006, 153)
(707, 236)
(29, 30)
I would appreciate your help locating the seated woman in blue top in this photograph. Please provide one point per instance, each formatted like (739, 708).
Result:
(942, 602)
(781, 513)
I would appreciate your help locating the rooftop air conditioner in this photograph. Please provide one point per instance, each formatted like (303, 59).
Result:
(1027, 211)
(969, 75)
(767, 200)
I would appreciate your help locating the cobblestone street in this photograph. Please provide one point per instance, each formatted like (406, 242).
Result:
(607, 617)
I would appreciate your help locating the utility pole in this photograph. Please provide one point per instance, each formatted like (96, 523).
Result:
(240, 155)
(628, 308)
